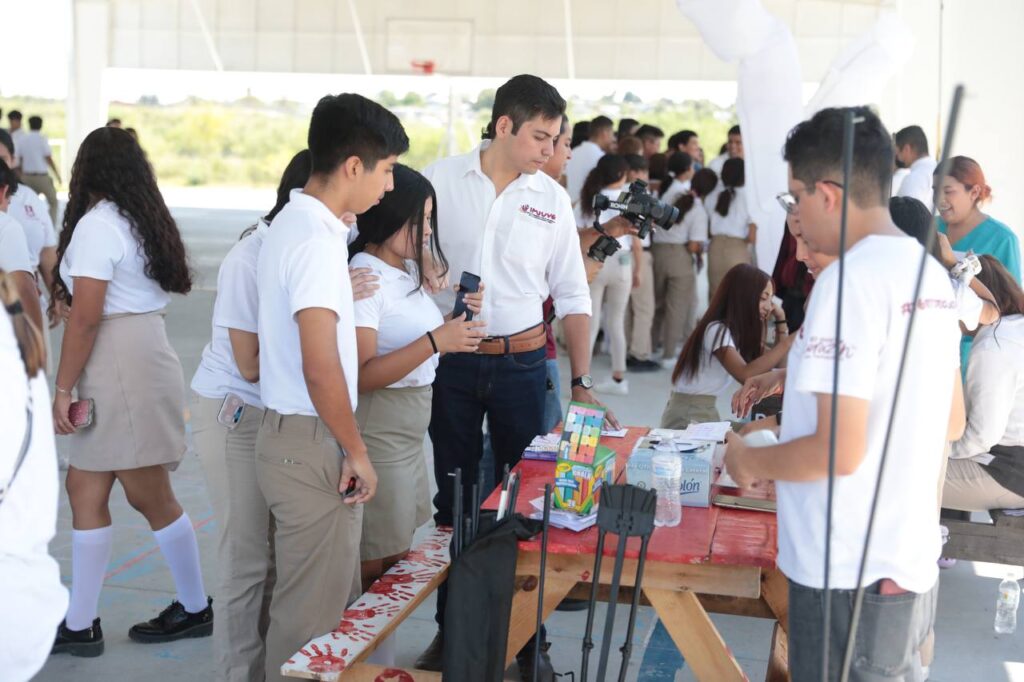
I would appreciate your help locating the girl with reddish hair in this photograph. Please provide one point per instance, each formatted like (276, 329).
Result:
(962, 194)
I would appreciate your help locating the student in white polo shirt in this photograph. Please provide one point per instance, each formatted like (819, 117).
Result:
(15, 256)
(912, 153)
(400, 334)
(27, 208)
(880, 275)
(311, 463)
(502, 219)
(36, 160)
(586, 156)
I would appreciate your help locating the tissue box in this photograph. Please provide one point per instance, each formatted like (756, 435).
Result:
(577, 483)
(698, 474)
(699, 467)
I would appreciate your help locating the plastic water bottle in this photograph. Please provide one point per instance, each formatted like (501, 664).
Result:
(1006, 606)
(666, 470)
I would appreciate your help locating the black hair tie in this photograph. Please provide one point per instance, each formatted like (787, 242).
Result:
(14, 308)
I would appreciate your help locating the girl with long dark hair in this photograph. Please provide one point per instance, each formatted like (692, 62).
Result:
(733, 232)
(615, 281)
(986, 465)
(728, 344)
(120, 258)
(400, 335)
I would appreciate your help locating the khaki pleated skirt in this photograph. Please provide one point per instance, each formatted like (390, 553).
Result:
(135, 379)
(394, 422)
(725, 253)
(682, 409)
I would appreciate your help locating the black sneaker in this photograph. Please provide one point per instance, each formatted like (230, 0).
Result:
(636, 365)
(173, 623)
(87, 642)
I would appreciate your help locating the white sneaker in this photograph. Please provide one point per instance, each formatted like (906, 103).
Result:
(669, 364)
(613, 387)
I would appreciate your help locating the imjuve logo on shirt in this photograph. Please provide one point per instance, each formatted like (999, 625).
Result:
(538, 214)
(927, 303)
(825, 349)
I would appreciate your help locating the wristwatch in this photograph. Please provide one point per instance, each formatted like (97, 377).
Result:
(585, 381)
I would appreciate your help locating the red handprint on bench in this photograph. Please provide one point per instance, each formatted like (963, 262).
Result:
(384, 611)
(419, 556)
(398, 592)
(415, 576)
(324, 660)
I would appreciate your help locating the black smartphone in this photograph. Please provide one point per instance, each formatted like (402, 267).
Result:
(468, 284)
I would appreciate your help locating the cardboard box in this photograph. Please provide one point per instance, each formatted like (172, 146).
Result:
(577, 484)
(699, 470)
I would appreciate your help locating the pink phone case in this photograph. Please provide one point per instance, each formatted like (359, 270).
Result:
(81, 413)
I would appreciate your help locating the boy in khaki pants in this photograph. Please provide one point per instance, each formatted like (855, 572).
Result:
(311, 463)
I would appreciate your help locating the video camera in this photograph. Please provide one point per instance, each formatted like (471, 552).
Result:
(639, 207)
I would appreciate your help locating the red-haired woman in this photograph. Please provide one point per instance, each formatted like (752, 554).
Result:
(728, 344)
(963, 192)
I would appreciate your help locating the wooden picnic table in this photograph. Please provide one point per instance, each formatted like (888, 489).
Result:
(716, 559)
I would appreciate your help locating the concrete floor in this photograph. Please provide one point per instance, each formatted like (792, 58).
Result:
(139, 585)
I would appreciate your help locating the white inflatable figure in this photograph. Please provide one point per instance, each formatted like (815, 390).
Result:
(768, 100)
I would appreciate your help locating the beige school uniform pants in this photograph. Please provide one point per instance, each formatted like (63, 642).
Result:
(641, 311)
(316, 536)
(724, 253)
(683, 409)
(244, 551)
(675, 282)
(969, 487)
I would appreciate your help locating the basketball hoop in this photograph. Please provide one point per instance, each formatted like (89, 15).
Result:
(426, 67)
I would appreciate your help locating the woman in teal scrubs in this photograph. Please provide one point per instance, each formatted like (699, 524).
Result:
(961, 195)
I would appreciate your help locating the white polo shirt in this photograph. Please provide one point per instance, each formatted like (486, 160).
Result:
(32, 150)
(400, 312)
(236, 307)
(303, 263)
(736, 223)
(105, 247)
(584, 159)
(694, 225)
(522, 243)
(14, 253)
(918, 183)
(28, 209)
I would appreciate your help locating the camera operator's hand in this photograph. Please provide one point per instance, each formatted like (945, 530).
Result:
(619, 227)
(459, 336)
(582, 395)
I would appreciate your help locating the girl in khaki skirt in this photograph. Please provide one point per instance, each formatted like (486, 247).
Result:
(120, 257)
(400, 334)
(733, 233)
(729, 344)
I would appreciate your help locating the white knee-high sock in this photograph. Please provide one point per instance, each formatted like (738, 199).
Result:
(181, 552)
(90, 554)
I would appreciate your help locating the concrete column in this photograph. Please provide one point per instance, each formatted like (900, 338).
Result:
(90, 51)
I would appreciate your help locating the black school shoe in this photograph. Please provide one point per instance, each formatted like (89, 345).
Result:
(174, 623)
(637, 365)
(545, 671)
(87, 642)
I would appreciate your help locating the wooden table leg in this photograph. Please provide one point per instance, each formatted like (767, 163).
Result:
(775, 593)
(778, 660)
(695, 635)
(523, 620)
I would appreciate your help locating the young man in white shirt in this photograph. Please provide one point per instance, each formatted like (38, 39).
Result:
(503, 220)
(14, 127)
(912, 153)
(650, 137)
(15, 257)
(35, 159)
(733, 150)
(585, 157)
(901, 573)
(312, 464)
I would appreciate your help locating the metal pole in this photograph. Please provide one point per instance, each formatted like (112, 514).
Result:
(545, 525)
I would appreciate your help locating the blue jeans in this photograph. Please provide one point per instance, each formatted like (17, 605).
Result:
(509, 391)
(552, 402)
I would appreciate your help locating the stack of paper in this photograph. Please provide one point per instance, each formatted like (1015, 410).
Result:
(561, 519)
(708, 431)
(544, 448)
